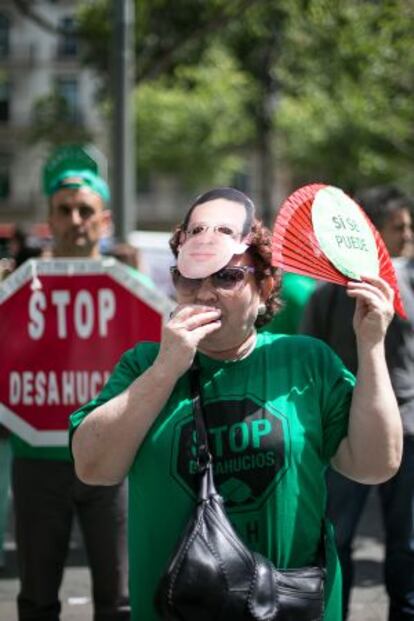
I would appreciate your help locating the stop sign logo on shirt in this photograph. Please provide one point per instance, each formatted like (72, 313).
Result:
(64, 324)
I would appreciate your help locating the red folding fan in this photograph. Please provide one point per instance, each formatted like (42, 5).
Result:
(296, 249)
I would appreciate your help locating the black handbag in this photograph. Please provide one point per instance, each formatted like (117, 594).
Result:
(213, 576)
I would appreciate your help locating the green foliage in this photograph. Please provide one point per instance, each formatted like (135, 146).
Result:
(95, 31)
(167, 33)
(331, 82)
(53, 123)
(193, 123)
(190, 103)
(345, 113)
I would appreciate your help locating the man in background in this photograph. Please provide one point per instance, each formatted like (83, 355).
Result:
(47, 493)
(328, 316)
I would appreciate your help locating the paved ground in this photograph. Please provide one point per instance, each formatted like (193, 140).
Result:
(368, 602)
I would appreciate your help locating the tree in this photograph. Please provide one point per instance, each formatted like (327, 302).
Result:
(54, 123)
(194, 122)
(331, 81)
(256, 43)
(345, 114)
(191, 96)
(168, 34)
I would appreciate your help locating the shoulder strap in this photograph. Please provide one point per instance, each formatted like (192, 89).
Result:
(203, 452)
(204, 458)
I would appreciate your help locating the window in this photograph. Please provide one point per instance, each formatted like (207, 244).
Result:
(4, 100)
(4, 184)
(4, 35)
(67, 88)
(4, 176)
(68, 40)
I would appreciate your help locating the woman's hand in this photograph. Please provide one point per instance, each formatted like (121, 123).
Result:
(374, 309)
(371, 451)
(188, 325)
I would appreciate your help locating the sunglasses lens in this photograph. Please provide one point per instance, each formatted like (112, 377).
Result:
(228, 278)
(183, 284)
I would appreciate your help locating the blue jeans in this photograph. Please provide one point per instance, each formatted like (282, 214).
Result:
(346, 501)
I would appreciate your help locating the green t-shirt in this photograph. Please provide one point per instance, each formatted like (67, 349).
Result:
(275, 419)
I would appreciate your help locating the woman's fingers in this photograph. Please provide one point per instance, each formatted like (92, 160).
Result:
(202, 331)
(191, 316)
(194, 324)
(376, 285)
(374, 307)
(190, 319)
(375, 292)
(187, 326)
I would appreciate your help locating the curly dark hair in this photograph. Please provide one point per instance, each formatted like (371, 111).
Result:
(260, 250)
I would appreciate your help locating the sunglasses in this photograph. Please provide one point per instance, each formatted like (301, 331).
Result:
(226, 279)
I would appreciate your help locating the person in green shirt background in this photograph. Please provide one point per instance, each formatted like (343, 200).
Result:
(47, 493)
(295, 291)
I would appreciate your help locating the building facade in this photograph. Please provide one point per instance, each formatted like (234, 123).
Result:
(34, 63)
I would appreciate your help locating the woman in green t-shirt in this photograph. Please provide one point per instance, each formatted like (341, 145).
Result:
(279, 408)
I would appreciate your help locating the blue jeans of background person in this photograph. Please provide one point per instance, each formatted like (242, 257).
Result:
(47, 494)
(346, 501)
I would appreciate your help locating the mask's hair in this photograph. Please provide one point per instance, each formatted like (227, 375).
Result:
(229, 194)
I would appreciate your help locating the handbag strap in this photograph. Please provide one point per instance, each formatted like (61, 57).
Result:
(203, 452)
(204, 457)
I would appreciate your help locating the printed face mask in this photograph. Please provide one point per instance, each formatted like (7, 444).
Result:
(214, 234)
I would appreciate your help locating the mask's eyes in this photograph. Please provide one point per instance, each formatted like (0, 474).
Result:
(196, 229)
(224, 229)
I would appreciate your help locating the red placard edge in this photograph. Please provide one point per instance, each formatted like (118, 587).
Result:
(36, 268)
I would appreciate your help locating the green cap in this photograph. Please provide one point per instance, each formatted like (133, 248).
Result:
(72, 166)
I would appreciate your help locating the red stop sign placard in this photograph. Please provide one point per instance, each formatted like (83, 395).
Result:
(64, 324)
